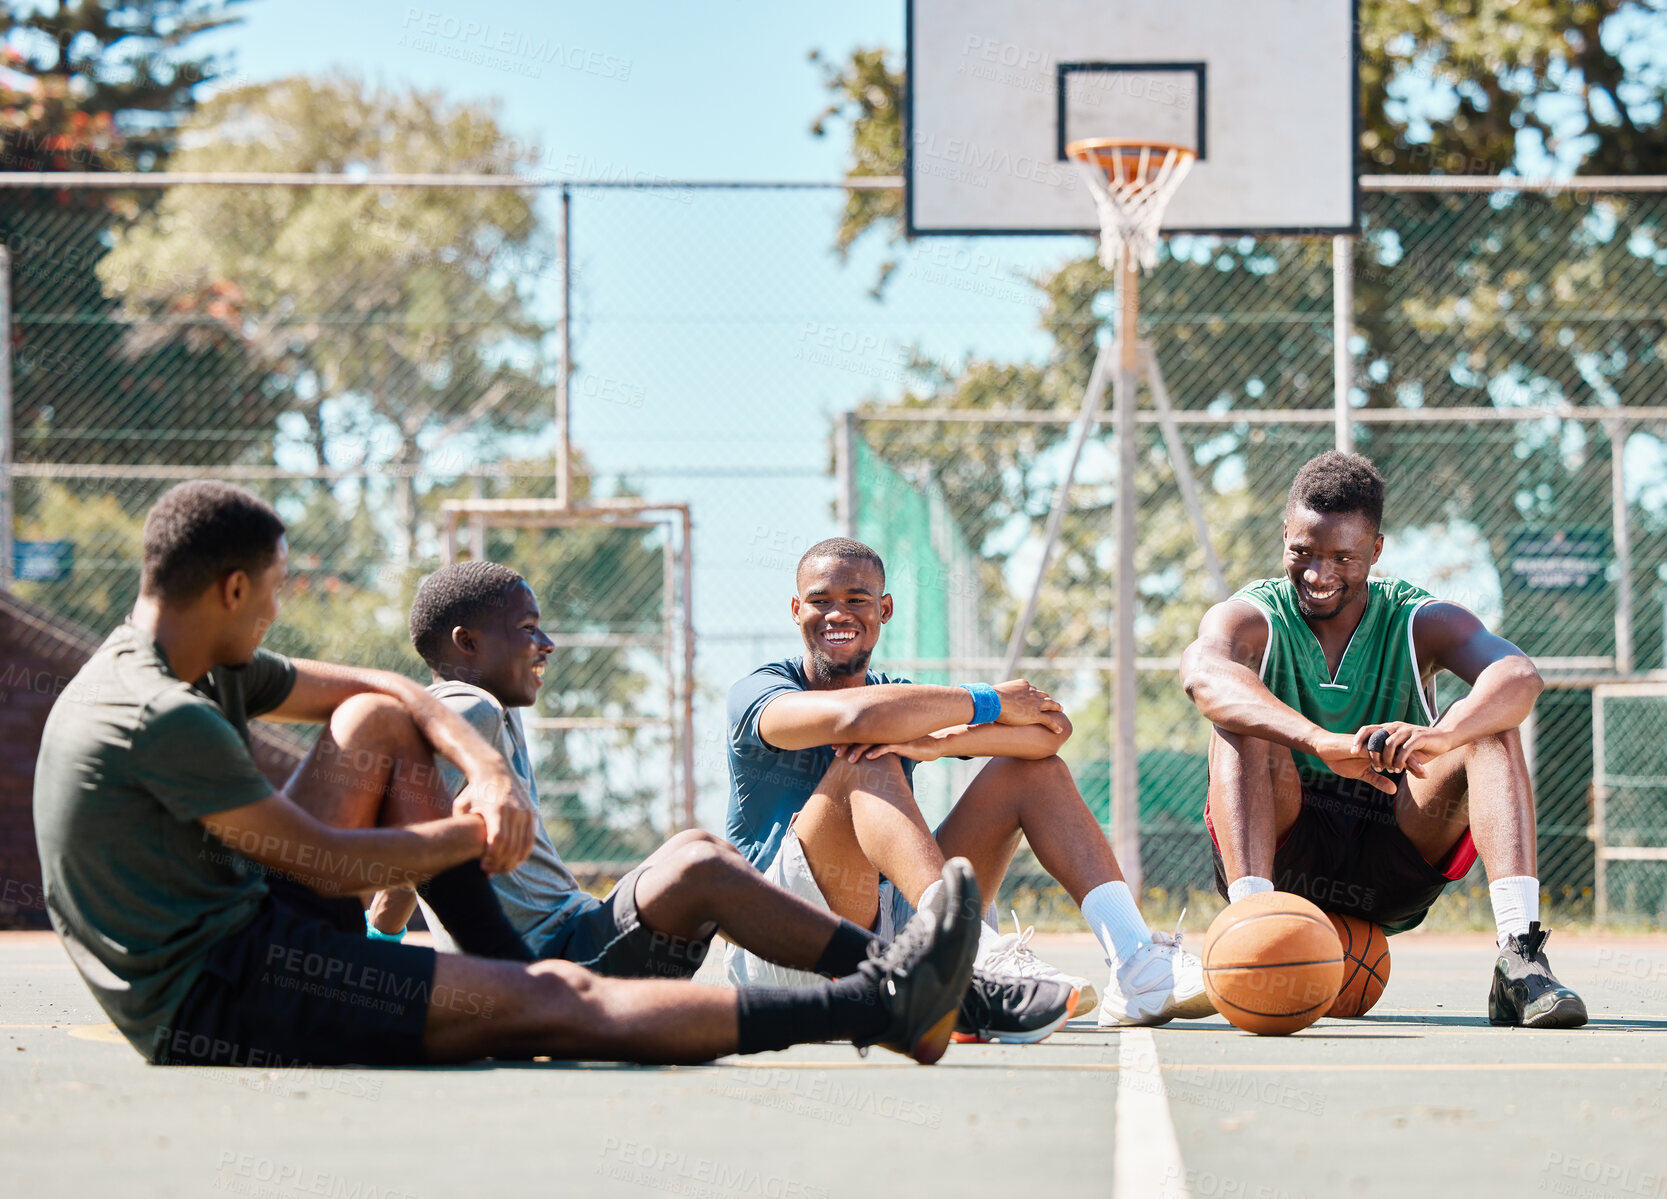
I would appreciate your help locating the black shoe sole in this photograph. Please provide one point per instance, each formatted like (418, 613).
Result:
(1568, 1012)
(927, 1045)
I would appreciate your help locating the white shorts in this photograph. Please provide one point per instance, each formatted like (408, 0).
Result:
(791, 872)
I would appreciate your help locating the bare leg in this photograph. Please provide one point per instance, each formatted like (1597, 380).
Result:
(370, 766)
(1038, 799)
(481, 1007)
(1255, 797)
(863, 821)
(1483, 786)
(695, 882)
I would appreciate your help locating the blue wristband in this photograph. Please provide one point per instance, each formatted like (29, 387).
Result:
(376, 934)
(986, 703)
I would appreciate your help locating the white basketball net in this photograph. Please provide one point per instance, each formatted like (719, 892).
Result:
(1131, 186)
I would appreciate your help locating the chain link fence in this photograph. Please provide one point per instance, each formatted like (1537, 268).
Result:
(360, 356)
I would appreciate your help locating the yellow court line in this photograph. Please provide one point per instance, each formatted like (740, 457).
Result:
(1224, 1067)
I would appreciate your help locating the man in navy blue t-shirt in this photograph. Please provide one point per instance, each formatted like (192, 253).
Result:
(822, 753)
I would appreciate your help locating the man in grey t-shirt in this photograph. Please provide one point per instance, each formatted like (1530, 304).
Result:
(476, 624)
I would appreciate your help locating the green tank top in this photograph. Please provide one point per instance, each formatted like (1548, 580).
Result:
(1377, 680)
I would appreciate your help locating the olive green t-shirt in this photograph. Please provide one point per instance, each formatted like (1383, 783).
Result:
(131, 759)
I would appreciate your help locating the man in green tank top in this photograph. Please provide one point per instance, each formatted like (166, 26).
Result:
(1297, 674)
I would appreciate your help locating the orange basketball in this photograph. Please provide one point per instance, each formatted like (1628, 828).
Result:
(1365, 965)
(1272, 963)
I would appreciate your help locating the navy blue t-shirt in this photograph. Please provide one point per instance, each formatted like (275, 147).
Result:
(767, 786)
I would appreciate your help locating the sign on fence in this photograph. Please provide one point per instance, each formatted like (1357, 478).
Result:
(1561, 560)
(42, 561)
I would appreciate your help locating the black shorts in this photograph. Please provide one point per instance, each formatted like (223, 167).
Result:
(303, 985)
(1347, 854)
(610, 938)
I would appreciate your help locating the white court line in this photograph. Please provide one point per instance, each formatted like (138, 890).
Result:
(1146, 1158)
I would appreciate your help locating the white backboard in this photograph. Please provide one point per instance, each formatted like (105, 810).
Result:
(1266, 91)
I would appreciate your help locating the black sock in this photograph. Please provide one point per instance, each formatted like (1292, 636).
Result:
(845, 1009)
(846, 950)
(467, 905)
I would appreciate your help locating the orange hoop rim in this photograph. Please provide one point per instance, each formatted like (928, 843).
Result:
(1095, 150)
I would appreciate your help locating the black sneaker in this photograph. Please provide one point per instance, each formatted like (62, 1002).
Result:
(1012, 1011)
(924, 972)
(1525, 993)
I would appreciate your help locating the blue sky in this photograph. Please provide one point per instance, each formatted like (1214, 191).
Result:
(695, 91)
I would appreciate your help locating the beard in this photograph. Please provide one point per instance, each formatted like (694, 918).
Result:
(825, 670)
(1347, 597)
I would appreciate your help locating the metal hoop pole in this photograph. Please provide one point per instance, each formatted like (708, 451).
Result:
(1125, 789)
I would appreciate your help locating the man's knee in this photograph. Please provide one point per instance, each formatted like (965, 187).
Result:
(879, 776)
(705, 859)
(370, 718)
(562, 996)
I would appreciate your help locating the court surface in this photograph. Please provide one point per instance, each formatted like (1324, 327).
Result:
(1421, 1097)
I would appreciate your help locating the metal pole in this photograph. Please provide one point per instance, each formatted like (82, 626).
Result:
(845, 464)
(1600, 813)
(7, 453)
(1617, 430)
(1342, 326)
(477, 523)
(688, 670)
(1125, 791)
(668, 605)
(1086, 422)
(564, 336)
(1181, 464)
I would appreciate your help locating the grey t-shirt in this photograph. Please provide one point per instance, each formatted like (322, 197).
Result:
(130, 760)
(542, 892)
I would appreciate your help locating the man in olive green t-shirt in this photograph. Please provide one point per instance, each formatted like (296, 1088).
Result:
(214, 917)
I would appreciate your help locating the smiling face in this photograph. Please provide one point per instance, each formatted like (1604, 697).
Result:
(506, 654)
(839, 610)
(1328, 557)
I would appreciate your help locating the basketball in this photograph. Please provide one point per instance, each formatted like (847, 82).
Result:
(1365, 965)
(1273, 963)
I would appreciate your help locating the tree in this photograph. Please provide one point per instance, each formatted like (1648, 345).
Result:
(386, 318)
(99, 86)
(105, 82)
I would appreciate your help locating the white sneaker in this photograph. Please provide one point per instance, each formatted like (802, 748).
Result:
(1011, 954)
(1156, 985)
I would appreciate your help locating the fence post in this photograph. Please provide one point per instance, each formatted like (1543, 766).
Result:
(845, 466)
(1342, 330)
(564, 338)
(1617, 430)
(7, 454)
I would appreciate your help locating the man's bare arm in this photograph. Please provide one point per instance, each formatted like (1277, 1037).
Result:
(892, 712)
(1503, 686)
(331, 861)
(493, 791)
(1219, 674)
(1033, 741)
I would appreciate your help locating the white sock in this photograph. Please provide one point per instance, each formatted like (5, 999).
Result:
(990, 917)
(987, 938)
(1116, 921)
(1516, 904)
(1250, 884)
(932, 888)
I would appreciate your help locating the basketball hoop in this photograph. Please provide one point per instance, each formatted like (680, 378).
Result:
(1132, 182)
